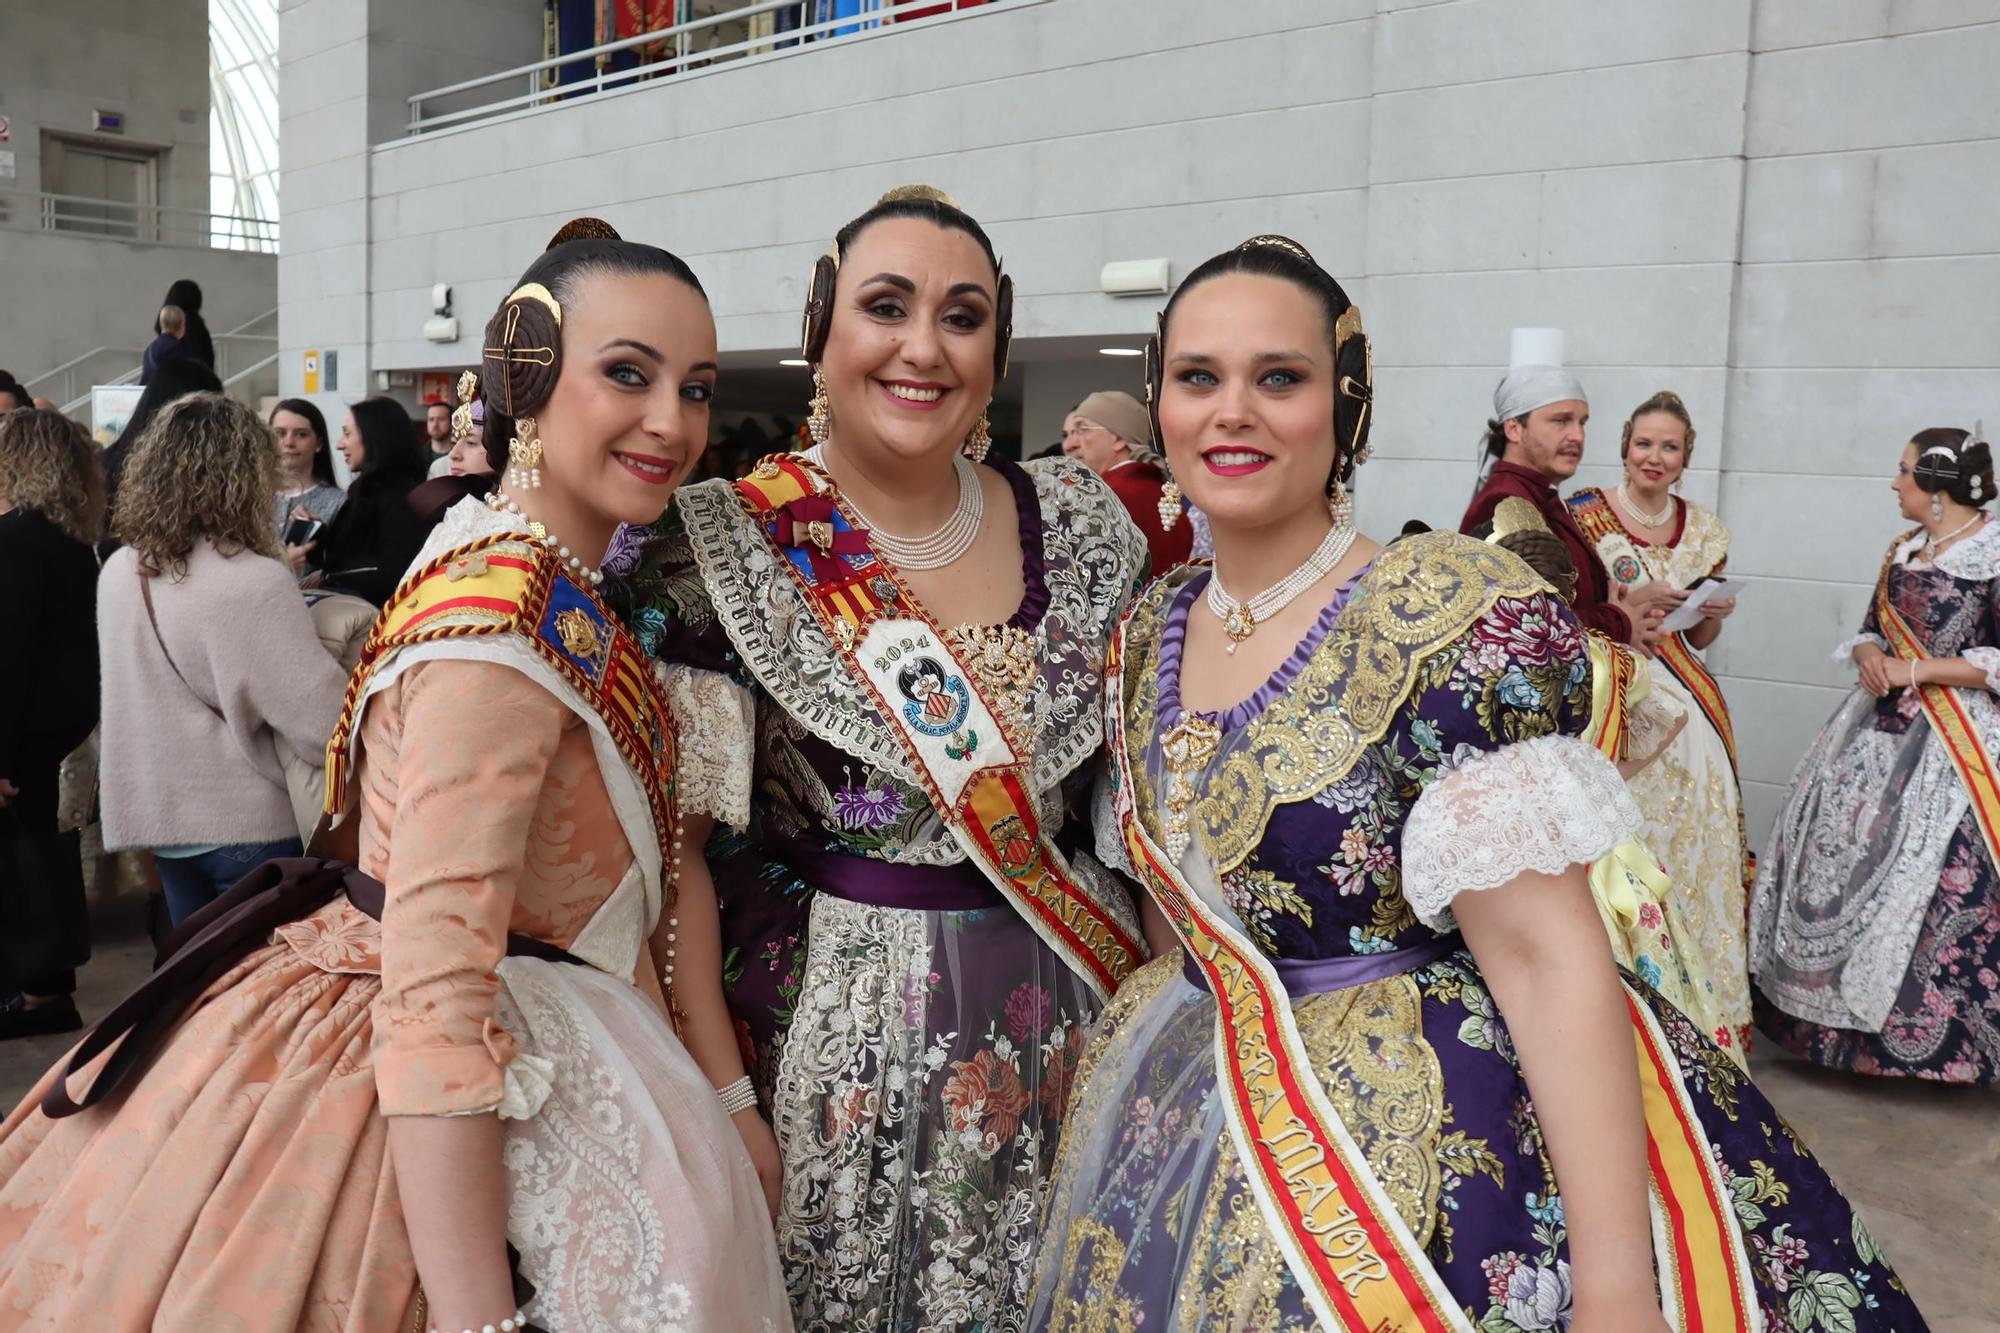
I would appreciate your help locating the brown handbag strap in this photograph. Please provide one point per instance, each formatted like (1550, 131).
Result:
(146, 591)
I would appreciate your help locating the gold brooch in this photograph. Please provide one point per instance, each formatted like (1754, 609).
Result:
(1003, 658)
(765, 470)
(465, 567)
(843, 630)
(580, 635)
(820, 533)
(1187, 745)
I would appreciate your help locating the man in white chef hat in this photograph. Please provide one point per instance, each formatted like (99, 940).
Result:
(1536, 441)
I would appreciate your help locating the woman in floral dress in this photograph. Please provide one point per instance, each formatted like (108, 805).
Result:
(1391, 1082)
(1876, 918)
(1690, 797)
(915, 1016)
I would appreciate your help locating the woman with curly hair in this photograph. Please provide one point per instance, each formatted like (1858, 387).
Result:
(51, 510)
(210, 659)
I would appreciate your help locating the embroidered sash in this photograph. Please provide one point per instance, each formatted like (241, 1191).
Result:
(1949, 719)
(1611, 670)
(507, 584)
(1594, 515)
(976, 775)
(1356, 1261)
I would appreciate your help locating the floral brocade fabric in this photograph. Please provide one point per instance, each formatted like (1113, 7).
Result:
(915, 1063)
(1153, 1224)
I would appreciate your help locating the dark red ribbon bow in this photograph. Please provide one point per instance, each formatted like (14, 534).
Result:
(807, 524)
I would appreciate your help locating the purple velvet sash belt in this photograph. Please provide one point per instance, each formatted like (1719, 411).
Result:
(1317, 976)
(863, 879)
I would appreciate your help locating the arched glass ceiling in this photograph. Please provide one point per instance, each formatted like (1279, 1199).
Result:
(243, 121)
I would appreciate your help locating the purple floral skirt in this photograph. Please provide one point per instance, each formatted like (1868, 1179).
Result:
(1152, 1224)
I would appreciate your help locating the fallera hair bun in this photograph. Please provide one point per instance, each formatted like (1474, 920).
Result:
(584, 229)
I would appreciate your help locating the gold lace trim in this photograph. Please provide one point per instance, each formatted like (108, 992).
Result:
(1422, 593)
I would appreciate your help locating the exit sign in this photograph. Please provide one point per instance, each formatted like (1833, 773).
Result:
(110, 122)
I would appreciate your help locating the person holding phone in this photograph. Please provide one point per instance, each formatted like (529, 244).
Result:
(1691, 797)
(308, 496)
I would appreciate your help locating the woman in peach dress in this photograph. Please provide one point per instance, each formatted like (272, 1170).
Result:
(351, 1127)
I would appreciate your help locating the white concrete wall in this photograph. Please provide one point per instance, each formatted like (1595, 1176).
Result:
(63, 294)
(1783, 210)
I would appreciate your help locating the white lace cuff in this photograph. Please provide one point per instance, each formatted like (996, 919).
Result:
(715, 721)
(1987, 660)
(1544, 805)
(1845, 651)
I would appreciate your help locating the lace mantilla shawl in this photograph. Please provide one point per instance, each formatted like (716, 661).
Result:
(1092, 558)
(1422, 593)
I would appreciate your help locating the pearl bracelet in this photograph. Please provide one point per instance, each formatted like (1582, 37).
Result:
(738, 1096)
(517, 1321)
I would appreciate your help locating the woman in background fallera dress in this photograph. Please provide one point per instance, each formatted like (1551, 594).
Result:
(1392, 1081)
(1876, 919)
(1690, 796)
(917, 941)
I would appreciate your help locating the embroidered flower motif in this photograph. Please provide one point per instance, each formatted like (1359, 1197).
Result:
(1499, 1270)
(649, 624)
(1028, 1011)
(1064, 1057)
(622, 557)
(1539, 1297)
(1517, 691)
(866, 809)
(852, 1106)
(984, 1099)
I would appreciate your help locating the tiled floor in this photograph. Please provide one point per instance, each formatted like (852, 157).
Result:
(1921, 1162)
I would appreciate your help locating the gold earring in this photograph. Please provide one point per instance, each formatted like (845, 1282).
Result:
(819, 421)
(524, 456)
(1340, 506)
(980, 442)
(1170, 505)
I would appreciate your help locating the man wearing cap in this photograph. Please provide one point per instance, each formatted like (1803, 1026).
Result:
(1536, 438)
(1110, 434)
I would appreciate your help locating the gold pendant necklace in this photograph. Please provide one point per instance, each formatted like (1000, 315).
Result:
(1187, 745)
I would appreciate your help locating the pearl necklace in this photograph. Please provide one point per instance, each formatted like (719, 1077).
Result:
(1931, 546)
(1640, 516)
(588, 574)
(1241, 619)
(939, 548)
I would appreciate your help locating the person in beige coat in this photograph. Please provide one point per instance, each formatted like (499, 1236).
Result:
(212, 667)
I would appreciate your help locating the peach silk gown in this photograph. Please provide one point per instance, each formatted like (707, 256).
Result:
(244, 1184)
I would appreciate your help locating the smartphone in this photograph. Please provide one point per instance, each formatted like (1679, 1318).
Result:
(1705, 578)
(301, 530)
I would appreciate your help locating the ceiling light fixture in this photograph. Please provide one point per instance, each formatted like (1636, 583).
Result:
(794, 361)
(1120, 351)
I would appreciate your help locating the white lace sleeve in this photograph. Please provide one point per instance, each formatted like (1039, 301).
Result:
(1544, 804)
(715, 721)
(1987, 660)
(1844, 652)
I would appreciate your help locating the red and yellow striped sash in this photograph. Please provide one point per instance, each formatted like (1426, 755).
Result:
(976, 775)
(506, 584)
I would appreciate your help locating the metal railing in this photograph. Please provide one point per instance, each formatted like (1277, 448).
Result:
(231, 347)
(680, 50)
(145, 224)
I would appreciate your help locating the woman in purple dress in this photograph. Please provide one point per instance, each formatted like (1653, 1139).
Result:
(1875, 925)
(916, 941)
(1391, 1081)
